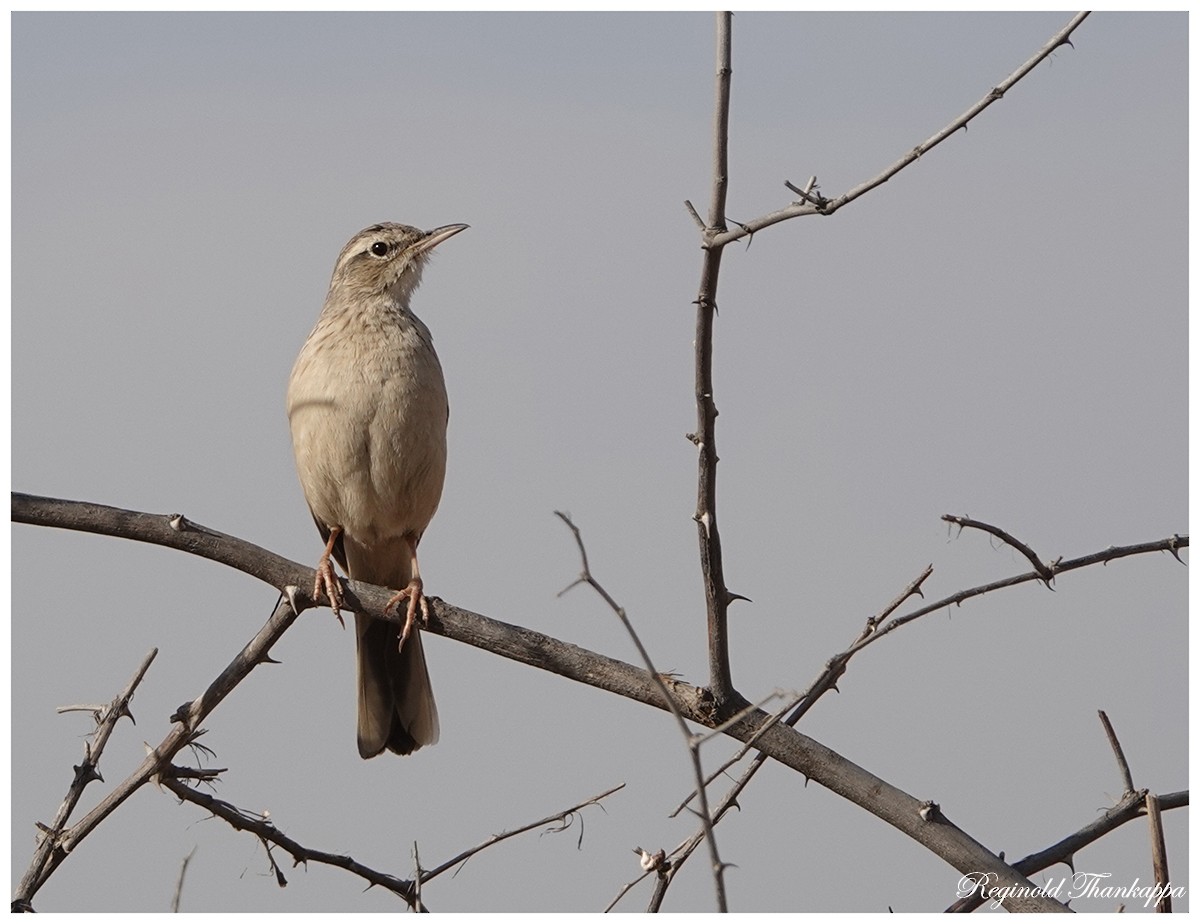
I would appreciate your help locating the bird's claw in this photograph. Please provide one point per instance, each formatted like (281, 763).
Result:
(328, 584)
(415, 595)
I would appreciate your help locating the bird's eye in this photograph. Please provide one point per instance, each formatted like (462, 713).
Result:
(379, 248)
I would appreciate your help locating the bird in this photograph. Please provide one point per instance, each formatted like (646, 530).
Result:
(367, 408)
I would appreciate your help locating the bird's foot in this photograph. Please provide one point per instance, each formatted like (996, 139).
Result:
(414, 593)
(328, 583)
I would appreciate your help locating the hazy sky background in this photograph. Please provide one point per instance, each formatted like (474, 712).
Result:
(999, 331)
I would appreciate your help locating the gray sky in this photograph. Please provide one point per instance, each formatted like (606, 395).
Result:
(999, 331)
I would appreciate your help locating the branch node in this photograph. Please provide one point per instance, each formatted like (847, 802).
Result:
(929, 810)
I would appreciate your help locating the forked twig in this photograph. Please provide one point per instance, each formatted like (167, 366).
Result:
(50, 850)
(690, 739)
(563, 819)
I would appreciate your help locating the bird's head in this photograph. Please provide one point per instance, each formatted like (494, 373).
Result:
(387, 259)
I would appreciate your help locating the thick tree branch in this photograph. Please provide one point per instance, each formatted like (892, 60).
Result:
(879, 625)
(794, 750)
(1131, 806)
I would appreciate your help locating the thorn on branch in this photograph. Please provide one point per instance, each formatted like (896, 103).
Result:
(183, 713)
(280, 879)
(199, 774)
(747, 229)
(582, 579)
(87, 773)
(929, 810)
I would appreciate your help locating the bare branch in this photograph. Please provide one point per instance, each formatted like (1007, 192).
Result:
(1045, 572)
(1113, 553)
(829, 206)
(185, 732)
(692, 742)
(1122, 763)
(716, 594)
(1158, 854)
(836, 666)
(44, 858)
(525, 646)
(264, 829)
(563, 819)
(716, 210)
(1131, 806)
(178, 898)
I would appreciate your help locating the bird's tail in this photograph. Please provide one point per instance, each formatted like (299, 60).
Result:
(395, 700)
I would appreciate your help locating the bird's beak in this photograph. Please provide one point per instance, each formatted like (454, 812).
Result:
(437, 235)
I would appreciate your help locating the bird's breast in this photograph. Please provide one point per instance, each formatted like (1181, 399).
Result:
(368, 409)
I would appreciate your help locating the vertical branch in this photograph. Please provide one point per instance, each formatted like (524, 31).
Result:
(1158, 853)
(716, 210)
(715, 593)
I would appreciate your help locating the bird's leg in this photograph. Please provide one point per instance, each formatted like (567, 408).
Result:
(415, 594)
(326, 581)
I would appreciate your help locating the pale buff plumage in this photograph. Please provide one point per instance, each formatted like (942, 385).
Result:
(368, 410)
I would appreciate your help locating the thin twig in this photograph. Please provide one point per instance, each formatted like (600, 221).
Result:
(1046, 572)
(1118, 752)
(1112, 553)
(690, 739)
(563, 819)
(186, 731)
(829, 206)
(49, 852)
(263, 828)
(177, 900)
